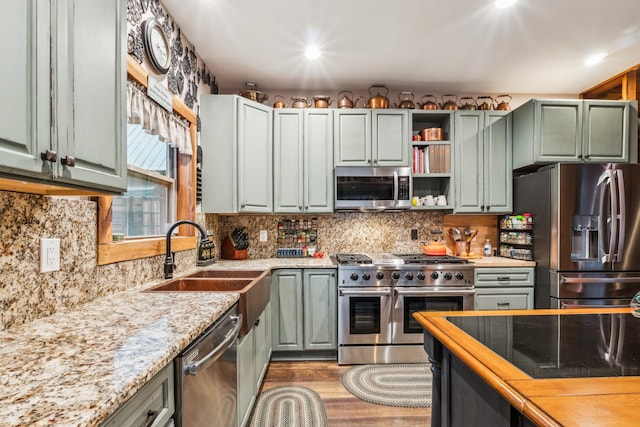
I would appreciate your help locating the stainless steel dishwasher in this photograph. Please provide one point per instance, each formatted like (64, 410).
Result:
(206, 376)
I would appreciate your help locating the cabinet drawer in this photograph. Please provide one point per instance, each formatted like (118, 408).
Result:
(501, 277)
(157, 396)
(504, 299)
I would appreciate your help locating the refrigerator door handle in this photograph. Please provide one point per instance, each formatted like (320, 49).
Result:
(620, 215)
(607, 248)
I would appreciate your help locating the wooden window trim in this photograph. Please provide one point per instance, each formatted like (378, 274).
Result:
(110, 252)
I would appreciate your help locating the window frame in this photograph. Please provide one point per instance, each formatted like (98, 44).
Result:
(111, 252)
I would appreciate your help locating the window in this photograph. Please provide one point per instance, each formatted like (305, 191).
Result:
(109, 251)
(149, 204)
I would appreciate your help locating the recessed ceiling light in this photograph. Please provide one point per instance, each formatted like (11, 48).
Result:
(312, 52)
(501, 4)
(594, 59)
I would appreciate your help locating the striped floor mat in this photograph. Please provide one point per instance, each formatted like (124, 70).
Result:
(289, 406)
(405, 385)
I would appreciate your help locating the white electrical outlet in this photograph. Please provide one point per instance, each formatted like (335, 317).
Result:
(263, 235)
(49, 255)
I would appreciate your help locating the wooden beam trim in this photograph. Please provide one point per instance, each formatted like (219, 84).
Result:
(608, 84)
(109, 253)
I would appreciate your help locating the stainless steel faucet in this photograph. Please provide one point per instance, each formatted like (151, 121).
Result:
(169, 260)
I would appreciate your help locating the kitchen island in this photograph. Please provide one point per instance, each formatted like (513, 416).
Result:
(534, 367)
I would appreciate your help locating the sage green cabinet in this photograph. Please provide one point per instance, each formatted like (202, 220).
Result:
(304, 309)
(303, 160)
(237, 146)
(483, 162)
(504, 288)
(365, 137)
(253, 352)
(156, 396)
(67, 97)
(551, 130)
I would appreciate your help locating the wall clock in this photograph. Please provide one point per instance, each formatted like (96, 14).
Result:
(157, 46)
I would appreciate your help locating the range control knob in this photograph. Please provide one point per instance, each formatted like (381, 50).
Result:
(447, 276)
(379, 275)
(353, 276)
(459, 276)
(395, 275)
(421, 276)
(366, 276)
(434, 275)
(408, 276)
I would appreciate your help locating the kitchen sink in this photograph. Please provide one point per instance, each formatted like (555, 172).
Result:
(227, 274)
(253, 286)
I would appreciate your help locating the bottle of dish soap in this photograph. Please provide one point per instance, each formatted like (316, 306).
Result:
(487, 248)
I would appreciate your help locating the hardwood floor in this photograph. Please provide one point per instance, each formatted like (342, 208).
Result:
(343, 409)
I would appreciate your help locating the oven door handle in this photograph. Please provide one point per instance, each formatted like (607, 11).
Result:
(635, 279)
(348, 292)
(435, 291)
(220, 348)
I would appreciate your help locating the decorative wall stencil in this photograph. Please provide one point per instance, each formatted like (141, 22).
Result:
(188, 75)
(135, 44)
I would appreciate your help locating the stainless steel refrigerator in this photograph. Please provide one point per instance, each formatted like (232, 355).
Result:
(586, 237)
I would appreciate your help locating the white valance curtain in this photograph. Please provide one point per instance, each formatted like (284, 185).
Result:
(156, 120)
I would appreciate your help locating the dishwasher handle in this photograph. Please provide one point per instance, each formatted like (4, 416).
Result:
(219, 349)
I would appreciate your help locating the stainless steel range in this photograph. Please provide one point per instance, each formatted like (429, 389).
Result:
(379, 292)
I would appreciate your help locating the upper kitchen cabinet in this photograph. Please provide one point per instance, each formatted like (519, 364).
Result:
(375, 137)
(65, 124)
(550, 131)
(236, 140)
(303, 160)
(483, 162)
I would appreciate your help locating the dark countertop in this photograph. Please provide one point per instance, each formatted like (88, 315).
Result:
(537, 360)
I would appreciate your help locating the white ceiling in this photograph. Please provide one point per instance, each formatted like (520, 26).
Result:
(426, 46)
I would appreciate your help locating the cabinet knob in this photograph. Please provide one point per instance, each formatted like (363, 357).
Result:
(375, 161)
(306, 207)
(49, 156)
(300, 208)
(481, 207)
(242, 205)
(586, 157)
(69, 161)
(579, 156)
(488, 208)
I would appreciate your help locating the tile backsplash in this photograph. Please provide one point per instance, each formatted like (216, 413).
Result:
(26, 294)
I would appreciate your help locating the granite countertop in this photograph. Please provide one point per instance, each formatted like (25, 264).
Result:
(78, 367)
(497, 261)
(545, 378)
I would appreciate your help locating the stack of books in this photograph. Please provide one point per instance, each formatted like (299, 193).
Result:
(434, 158)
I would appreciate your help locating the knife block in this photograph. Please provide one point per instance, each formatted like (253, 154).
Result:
(228, 251)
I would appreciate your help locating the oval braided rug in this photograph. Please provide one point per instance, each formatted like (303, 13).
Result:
(289, 406)
(405, 385)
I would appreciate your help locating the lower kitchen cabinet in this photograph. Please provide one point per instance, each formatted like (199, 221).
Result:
(504, 288)
(254, 353)
(304, 311)
(155, 397)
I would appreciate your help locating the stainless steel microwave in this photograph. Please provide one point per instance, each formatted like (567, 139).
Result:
(372, 188)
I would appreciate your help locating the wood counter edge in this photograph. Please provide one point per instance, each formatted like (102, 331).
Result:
(501, 375)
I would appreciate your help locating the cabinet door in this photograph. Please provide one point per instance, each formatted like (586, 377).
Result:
(25, 112)
(606, 131)
(352, 137)
(90, 94)
(320, 309)
(245, 350)
(255, 182)
(318, 161)
(497, 163)
(262, 346)
(469, 161)
(288, 161)
(504, 298)
(286, 300)
(558, 130)
(390, 138)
